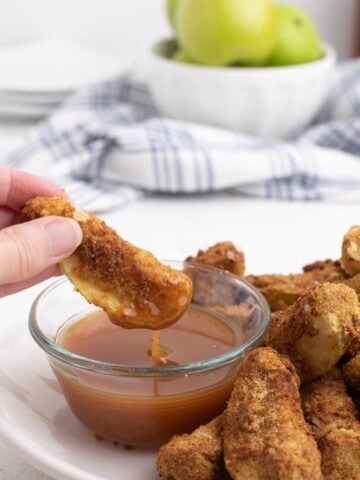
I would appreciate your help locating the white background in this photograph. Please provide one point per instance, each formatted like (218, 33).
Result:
(128, 27)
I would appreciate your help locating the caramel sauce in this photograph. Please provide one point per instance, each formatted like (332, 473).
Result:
(157, 354)
(146, 411)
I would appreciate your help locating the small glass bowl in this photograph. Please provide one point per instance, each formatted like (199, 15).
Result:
(145, 406)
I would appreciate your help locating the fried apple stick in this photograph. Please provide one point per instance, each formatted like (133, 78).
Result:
(129, 283)
(351, 373)
(195, 456)
(350, 252)
(265, 434)
(354, 346)
(316, 331)
(222, 255)
(283, 290)
(335, 423)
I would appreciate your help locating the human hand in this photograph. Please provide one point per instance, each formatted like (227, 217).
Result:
(30, 251)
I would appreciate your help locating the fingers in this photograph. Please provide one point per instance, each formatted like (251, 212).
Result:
(16, 287)
(29, 248)
(9, 217)
(30, 251)
(16, 187)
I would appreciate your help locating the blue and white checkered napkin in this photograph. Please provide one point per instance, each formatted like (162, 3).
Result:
(108, 145)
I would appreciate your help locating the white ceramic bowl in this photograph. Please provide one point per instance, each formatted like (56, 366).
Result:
(262, 101)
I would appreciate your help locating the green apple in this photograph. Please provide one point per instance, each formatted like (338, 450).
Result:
(182, 56)
(224, 32)
(297, 40)
(171, 7)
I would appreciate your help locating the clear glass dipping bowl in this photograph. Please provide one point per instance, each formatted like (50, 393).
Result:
(118, 402)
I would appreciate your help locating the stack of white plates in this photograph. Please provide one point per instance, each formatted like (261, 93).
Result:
(37, 77)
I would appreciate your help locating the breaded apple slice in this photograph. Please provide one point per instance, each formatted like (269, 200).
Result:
(130, 284)
(316, 331)
(335, 424)
(350, 255)
(195, 456)
(351, 373)
(222, 255)
(329, 312)
(265, 433)
(283, 290)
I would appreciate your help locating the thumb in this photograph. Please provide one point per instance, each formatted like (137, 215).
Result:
(29, 248)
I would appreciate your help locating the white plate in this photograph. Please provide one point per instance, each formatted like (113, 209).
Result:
(35, 420)
(54, 66)
(29, 99)
(24, 110)
(33, 97)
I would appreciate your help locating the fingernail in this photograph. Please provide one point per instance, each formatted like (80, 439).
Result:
(63, 236)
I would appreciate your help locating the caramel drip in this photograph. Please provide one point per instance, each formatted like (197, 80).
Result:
(157, 354)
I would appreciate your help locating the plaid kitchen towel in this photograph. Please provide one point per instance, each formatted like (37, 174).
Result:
(108, 145)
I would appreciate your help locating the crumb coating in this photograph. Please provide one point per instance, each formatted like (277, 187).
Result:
(130, 284)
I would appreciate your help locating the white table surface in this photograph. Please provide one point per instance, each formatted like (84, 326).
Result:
(275, 236)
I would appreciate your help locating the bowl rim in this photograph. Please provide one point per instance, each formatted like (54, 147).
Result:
(96, 366)
(328, 59)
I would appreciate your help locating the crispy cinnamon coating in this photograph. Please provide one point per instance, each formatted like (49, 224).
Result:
(350, 252)
(283, 290)
(330, 311)
(354, 346)
(335, 424)
(223, 255)
(351, 373)
(286, 327)
(353, 282)
(265, 434)
(325, 269)
(316, 331)
(195, 456)
(129, 283)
